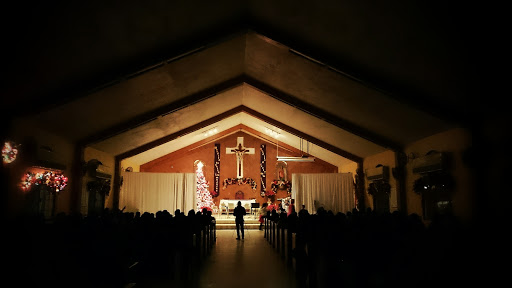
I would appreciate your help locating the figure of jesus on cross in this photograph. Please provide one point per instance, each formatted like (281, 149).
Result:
(240, 150)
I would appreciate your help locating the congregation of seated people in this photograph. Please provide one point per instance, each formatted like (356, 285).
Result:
(370, 249)
(108, 249)
(353, 249)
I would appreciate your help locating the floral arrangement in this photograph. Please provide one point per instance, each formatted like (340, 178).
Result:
(276, 184)
(272, 207)
(240, 181)
(270, 193)
(9, 152)
(56, 182)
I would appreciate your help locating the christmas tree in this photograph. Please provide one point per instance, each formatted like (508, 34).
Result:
(204, 198)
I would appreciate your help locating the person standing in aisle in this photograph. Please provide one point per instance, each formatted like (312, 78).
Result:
(239, 214)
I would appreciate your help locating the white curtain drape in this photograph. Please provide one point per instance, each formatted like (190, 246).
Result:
(153, 192)
(333, 191)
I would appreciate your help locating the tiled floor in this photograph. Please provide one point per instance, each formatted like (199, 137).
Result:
(247, 263)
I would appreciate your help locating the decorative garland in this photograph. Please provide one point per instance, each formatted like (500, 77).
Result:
(9, 152)
(31, 179)
(433, 182)
(263, 169)
(379, 185)
(99, 185)
(240, 181)
(56, 182)
(276, 184)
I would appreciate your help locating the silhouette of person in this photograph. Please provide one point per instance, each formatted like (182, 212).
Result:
(291, 207)
(303, 211)
(263, 213)
(239, 213)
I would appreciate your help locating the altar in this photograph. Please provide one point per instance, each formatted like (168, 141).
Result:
(224, 204)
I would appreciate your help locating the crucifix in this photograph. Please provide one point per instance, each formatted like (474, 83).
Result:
(240, 150)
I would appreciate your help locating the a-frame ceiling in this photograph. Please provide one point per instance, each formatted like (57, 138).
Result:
(379, 76)
(423, 53)
(247, 79)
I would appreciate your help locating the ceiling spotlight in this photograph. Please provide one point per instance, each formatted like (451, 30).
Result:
(272, 133)
(210, 132)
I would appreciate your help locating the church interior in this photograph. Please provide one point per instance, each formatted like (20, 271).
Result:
(137, 108)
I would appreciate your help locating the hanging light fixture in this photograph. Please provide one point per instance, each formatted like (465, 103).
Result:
(302, 158)
(296, 159)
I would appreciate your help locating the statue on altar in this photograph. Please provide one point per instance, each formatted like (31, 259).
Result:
(281, 182)
(281, 173)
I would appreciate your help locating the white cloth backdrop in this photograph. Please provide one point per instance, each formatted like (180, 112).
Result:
(333, 191)
(153, 192)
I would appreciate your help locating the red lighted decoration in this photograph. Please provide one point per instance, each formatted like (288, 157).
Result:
(56, 182)
(9, 152)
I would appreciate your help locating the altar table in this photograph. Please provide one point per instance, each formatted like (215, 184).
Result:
(225, 202)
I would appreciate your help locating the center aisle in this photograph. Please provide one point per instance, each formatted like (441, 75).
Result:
(246, 263)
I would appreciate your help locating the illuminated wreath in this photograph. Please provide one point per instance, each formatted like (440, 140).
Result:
(281, 184)
(9, 152)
